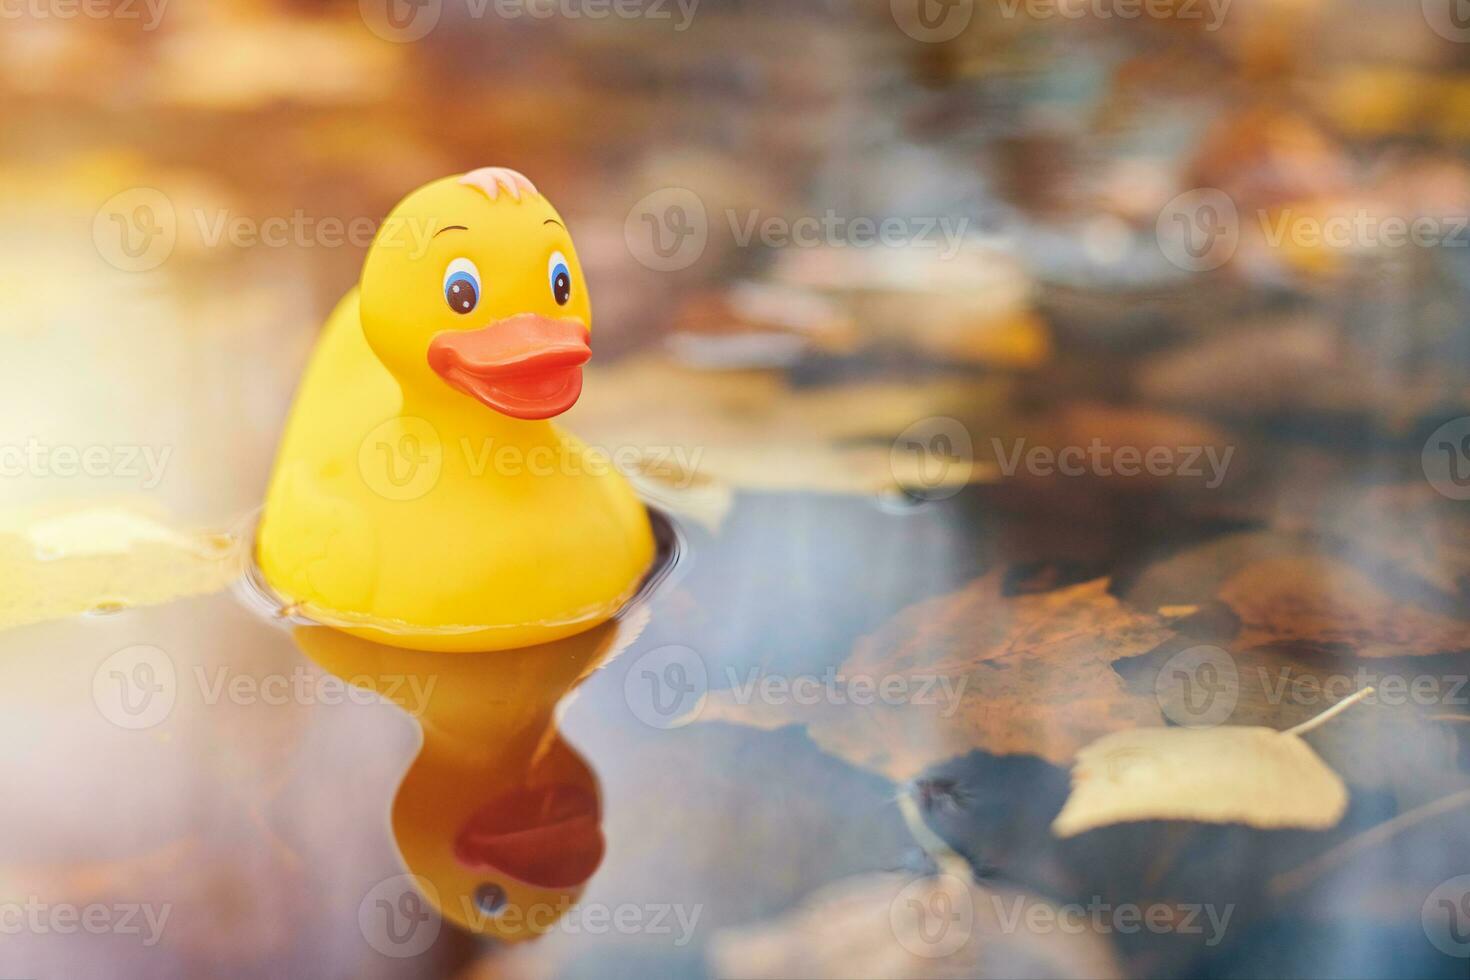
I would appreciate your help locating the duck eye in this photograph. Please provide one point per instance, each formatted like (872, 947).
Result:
(461, 285)
(490, 898)
(561, 278)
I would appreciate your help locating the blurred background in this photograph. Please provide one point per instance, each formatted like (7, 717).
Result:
(849, 263)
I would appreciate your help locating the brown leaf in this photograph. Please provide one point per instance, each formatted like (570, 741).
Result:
(1316, 599)
(1025, 674)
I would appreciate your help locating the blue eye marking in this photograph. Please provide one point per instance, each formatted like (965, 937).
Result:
(561, 278)
(462, 285)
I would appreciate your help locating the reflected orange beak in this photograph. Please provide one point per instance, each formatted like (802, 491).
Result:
(527, 366)
(548, 836)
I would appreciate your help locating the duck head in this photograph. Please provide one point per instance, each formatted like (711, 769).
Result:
(472, 287)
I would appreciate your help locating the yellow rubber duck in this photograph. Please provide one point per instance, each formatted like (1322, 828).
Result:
(421, 498)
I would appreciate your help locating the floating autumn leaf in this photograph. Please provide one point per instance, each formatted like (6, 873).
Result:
(1232, 774)
(752, 429)
(898, 925)
(57, 562)
(1317, 599)
(977, 669)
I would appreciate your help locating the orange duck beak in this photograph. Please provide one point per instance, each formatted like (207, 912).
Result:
(526, 366)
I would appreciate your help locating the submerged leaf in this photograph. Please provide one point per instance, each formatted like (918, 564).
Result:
(1316, 599)
(977, 669)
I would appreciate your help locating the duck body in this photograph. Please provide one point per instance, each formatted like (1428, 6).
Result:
(420, 498)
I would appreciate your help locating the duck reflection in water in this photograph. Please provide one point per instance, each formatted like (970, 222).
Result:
(497, 813)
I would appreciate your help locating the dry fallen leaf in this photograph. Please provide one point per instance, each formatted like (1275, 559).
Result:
(1232, 774)
(977, 669)
(1316, 599)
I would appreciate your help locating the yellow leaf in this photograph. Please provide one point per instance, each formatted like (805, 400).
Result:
(59, 562)
(1237, 774)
